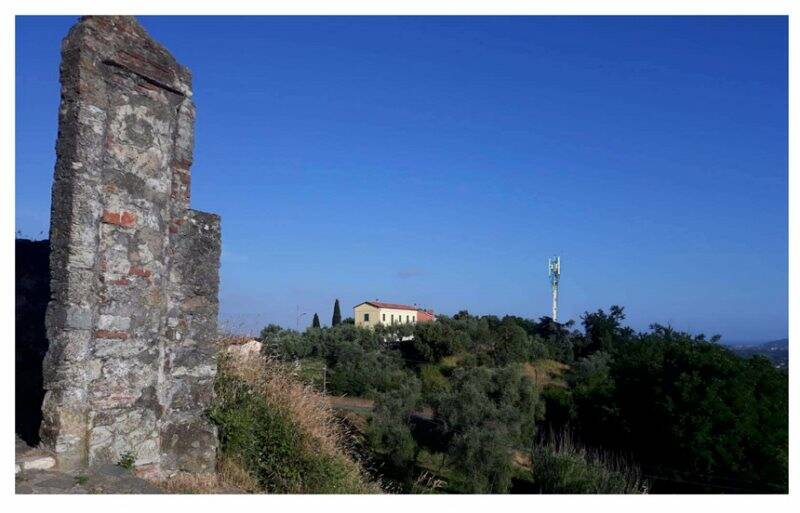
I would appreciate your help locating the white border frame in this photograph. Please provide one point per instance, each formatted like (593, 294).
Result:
(11, 8)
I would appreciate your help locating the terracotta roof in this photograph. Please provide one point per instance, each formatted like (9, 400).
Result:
(396, 306)
(423, 316)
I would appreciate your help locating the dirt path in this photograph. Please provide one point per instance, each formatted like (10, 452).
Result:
(363, 405)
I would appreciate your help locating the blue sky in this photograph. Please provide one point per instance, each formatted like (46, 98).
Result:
(441, 160)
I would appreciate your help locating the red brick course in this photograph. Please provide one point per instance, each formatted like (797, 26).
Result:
(124, 219)
(128, 219)
(111, 335)
(136, 270)
(110, 217)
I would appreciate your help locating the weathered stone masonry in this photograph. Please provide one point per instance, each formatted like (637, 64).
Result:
(134, 271)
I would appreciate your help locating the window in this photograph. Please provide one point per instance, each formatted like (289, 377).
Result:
(408, 318)
(392, 318)
(366, 317)
(384, 318)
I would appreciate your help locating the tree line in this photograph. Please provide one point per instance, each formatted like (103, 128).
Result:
(659, 411)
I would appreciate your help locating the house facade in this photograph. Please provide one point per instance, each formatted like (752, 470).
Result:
(372, 313)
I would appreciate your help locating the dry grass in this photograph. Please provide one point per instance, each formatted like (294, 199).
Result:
(275, 382)
(546, 372)
(344, 402)
(233, 475)
(452, 361)
(428, 483)
(230, 477)
(355, 420)
(225, 340)
(362, 404)
(564, 466)
(310, 411)
(184, 482)
(522, 459)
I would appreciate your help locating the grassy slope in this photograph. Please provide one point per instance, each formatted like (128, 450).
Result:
(281, 431)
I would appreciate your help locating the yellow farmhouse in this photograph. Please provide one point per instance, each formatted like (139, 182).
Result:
(372, 313)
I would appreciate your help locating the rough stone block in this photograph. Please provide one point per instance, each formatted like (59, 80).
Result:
(188, 444)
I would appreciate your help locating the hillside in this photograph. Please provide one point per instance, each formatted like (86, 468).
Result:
(483, 404)
(776, 351)
(280, 432)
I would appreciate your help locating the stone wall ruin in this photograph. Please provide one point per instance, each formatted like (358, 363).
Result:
(134, 271)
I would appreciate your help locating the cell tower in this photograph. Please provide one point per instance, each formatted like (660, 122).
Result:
(554, 268)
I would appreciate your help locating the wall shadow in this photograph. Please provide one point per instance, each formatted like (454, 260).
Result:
(32, 293)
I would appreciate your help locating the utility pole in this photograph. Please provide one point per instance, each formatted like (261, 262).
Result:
(297, 319)
(554, 270)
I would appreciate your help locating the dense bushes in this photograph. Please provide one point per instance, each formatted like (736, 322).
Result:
(487, 415)
(434, 383)
(481, 416)
(696, 417)
(288, 344)
(280, 431)
(511, 344)
(693, 415)
(364, 373)
(433, 341)
(360, 361)
(390, 430)
(718, 418)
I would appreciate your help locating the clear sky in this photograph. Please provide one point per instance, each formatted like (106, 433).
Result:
(442, 160)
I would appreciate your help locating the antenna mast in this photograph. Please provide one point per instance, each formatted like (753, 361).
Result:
(554, 269)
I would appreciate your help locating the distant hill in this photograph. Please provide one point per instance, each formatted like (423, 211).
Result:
(776, 345)
(777, 351)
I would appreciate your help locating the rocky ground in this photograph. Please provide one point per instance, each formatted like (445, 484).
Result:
(105, 479)
(36, 474)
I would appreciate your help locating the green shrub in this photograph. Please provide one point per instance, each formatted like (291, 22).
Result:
(432, 341)
(481, 461)
(538, 348)
(127, 461)
(559, 407)
(487, 414)
(511, 344)
(361, 373)
(434, 383)
(329, 339)
(390, 433)
(684, 406)
(286, 344)
(275, 443)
